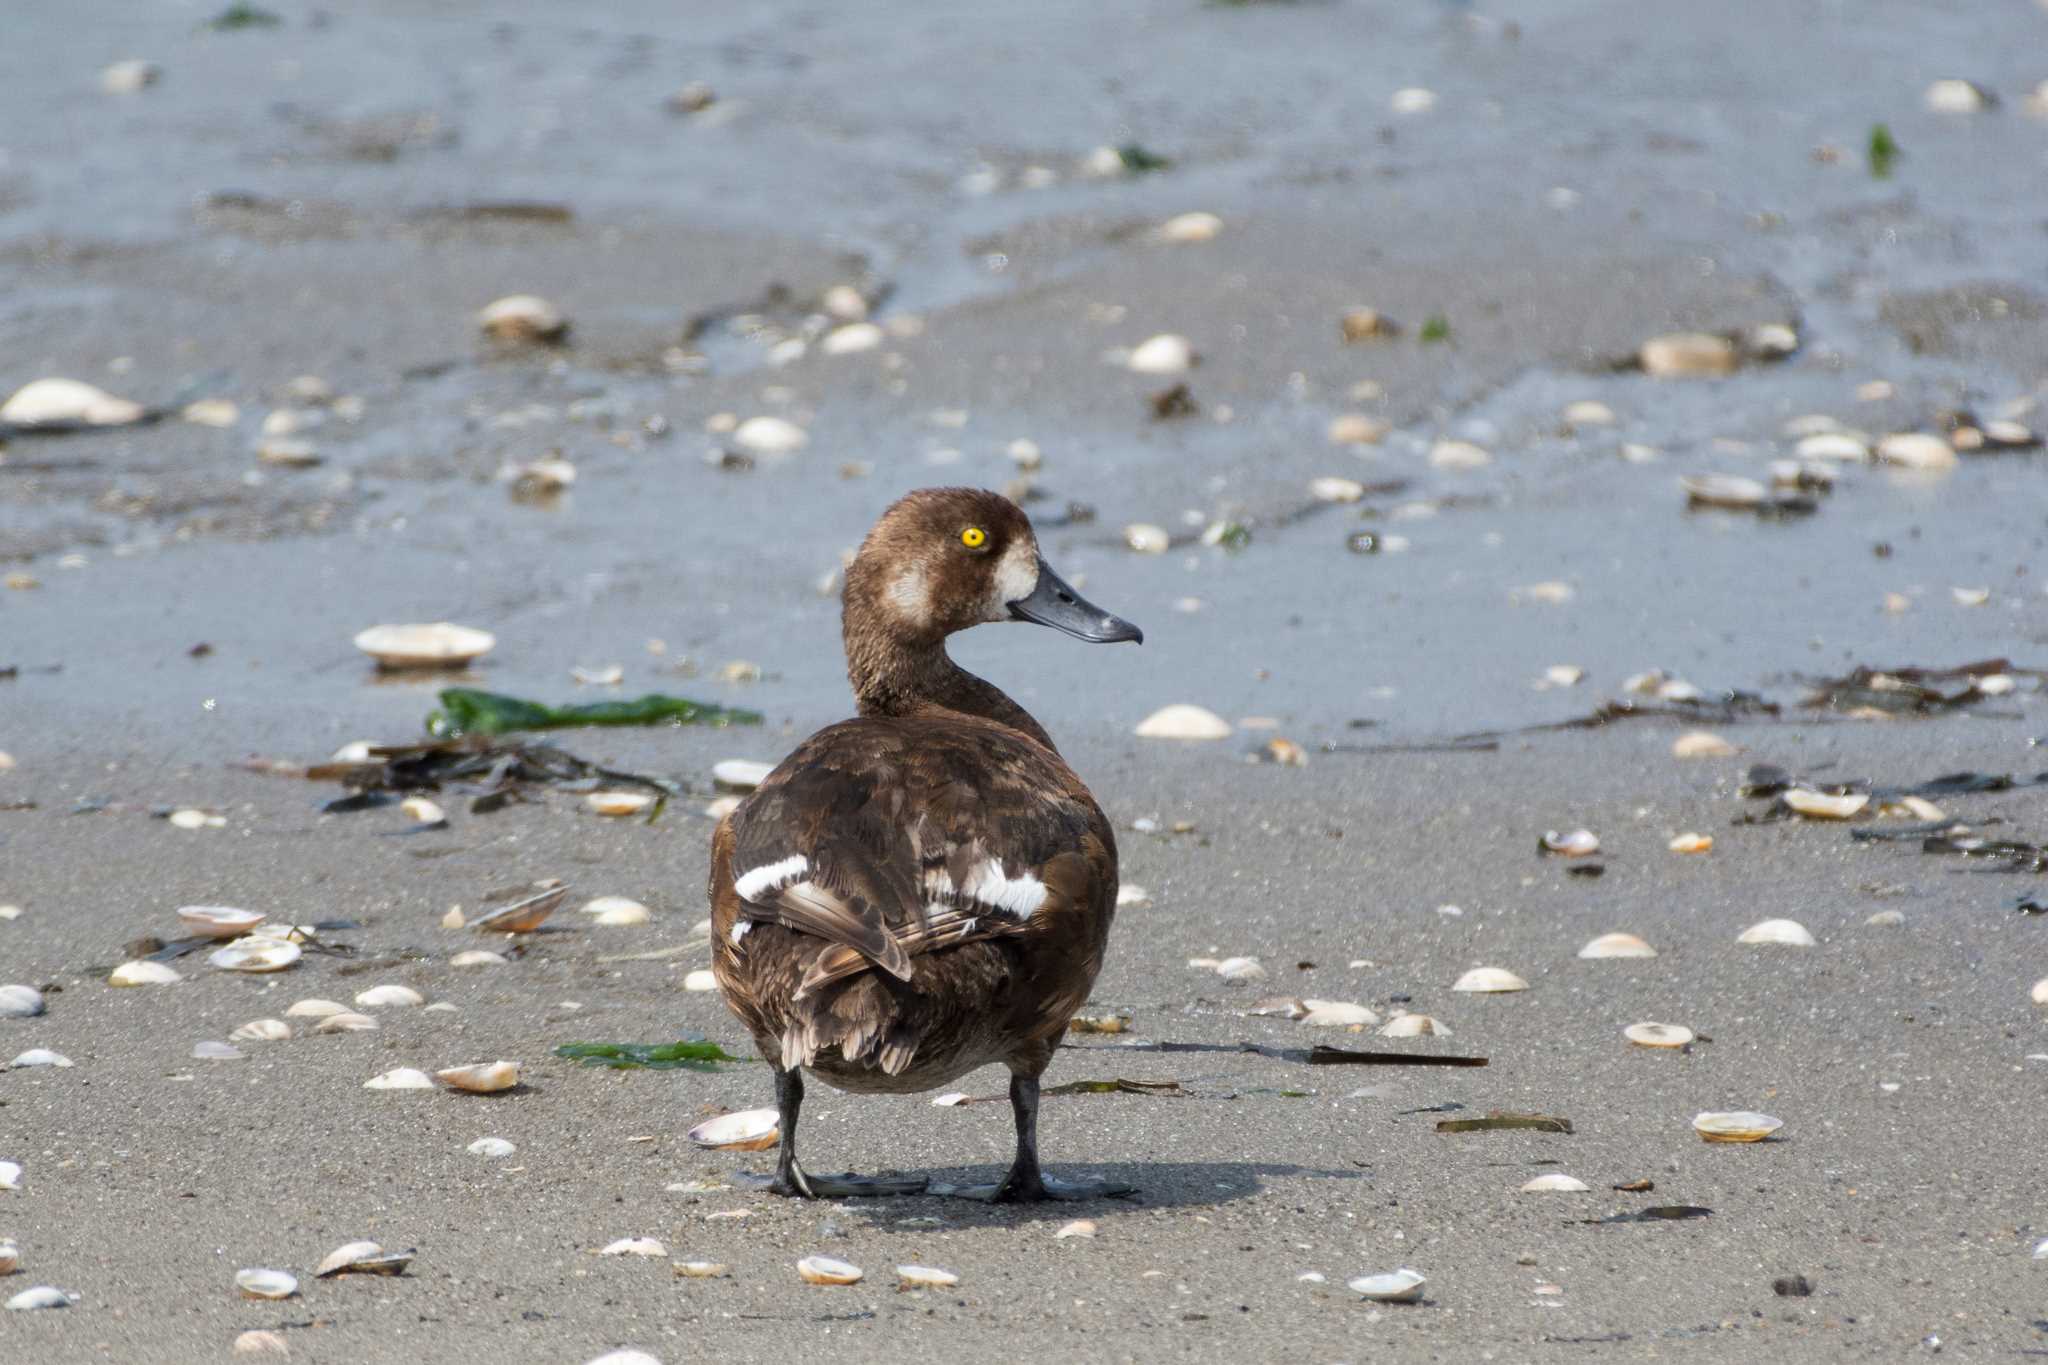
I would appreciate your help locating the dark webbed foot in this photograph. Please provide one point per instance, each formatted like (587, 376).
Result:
(798, 1184)
(1026, 1184)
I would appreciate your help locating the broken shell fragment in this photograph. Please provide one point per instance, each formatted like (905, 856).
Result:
(486, 1078)
(1617, 945)
(770, 436)
(1357, 429)
(20, 1002)
(1702, 744)
(1821, 806)
(618, 803)
(437, 644)
(926, 1277)
(703, 979)
(1146, 538)
(1580, 843)
(52, 401)
(403, 1078)
(1724, 490)
(1589, 412)
(1785, 931)
(1953, 96)
(218, 921)
(1366, 324)
(1555, 1183)
(10, 1175)
(851, 339)
(525, 914)
(1241, 969)
(1396, 1286)
(1336, 490)
(1458, 455)
(346, 1022)
(210, 1051)
(262, 1031)
(362, 1258)
(1916, 450)
(257, 1342)
(1658, 1035)
(1183, 229)
(1337, 1014)
(1692, 843)
(1489, 980)
(491, 1146)
(740, 774)
(617, 911)
(389, 996)
(422, 810)
(1414, 1026)
(42, 1296)
(266, 1284)
(635, 1246)
(826, 1270)
(10, 1258)
(142, 972)
(314, 1009)
(41, 1056)
(1741, 1126)
(522, 318)
(1687, 355)
(255, 955)
(1167, 353)
(748, 1130)
(1183, 720)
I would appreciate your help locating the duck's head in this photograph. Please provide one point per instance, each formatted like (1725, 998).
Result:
(943, 559)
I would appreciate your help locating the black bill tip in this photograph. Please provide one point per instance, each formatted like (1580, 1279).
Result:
(1054, 603)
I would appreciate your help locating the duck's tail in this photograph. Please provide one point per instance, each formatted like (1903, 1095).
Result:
(858, 1021)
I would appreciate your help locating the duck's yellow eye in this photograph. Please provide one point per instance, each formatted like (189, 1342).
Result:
(974, 537)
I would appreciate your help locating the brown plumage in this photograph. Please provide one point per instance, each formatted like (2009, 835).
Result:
(928, 888)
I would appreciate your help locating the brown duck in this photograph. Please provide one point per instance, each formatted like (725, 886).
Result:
(928, 888)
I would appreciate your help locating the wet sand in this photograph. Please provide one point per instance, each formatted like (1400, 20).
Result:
(285, 201)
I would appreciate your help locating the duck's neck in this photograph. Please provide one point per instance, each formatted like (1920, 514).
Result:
(895, 677)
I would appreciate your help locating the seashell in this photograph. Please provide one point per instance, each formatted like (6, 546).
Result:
(1127, 894)
(740, 774)
(486, 1078)
(1741, 1126)
(1079, 1227)
(346, 1022)
(218, 921)
(1240, 969)
(844, 302)
(635, 1246)
(10, 1175)
(1702, 744)
(1183, 720)
(142, 972)
(1970, 597)
(129, 77)
(1366, 324)
(211, 412)
(540, 478)
(10, 1258)
(1997, 684)
(1412, 99)
(851, 339)
(1186, 228)
(1844, 446)
(522, 318)
(1337, 1014)
(748, 1130)
(1692, 843)
(700, 980)
(262, 1031)
(620, 912)
(437, 644)
(625, 1357)
(210, 1051)
(1414, 1026)
(524, 914)
(362, 1258)
(1617, 945)
(2040, 994)
(1397, 1286)
(2004, 435)
(68, 400)
(1687, 355)
(1356, 429)
(770, 436)
(721, 806)
(1458, 455)
(1786, 931)
(618, 803)
(1820, 806)
(381, 997)
(1580, 843)
(1885, 919)
(490, 1146)
(1167, 353)
(314, 1009)
(1658, 1035)
(289, 452)
(20, 1002)
(1770, 340)
(256, 1341)
(925, 1277)
(1952, 96)
(1563, 675)
(403, 1078)
(1589, 412)
(266, 1284)
(41, 1056)
(1555, 1184)
(42, 1296)
(1146, 538)
(701, 1270)
(1489, 980)
(255, 955)
(1916, 450)
(826, 1270)
(424, 811)
(1551, 592)
(1724, 490)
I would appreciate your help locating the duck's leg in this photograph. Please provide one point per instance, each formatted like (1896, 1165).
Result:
(791, 1180)
(1026, 1183)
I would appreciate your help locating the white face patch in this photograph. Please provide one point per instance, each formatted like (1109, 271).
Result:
(1016, 578)
(910, 592)
(769, 878)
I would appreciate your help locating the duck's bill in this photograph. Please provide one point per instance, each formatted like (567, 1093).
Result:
(1053, 603)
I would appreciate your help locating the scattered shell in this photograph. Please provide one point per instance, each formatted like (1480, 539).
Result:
(1885, 919)
(1241, 969)
(362, 1258)
(218, 921)
(1996, 685)
(20, 1002)
(1743, 1126)
(1789, 932)
(635, 1246)
(2040, 995)
(1398, 1286)
(437, 644)
(1550, 592)
(422, 810)
(291, 452)
(210, 1051)
(262, 1031)
(1489, 980)
(851, 339)
(522, 317)
(1458, 455)
(68, 400)
(1916, 450)
(41, 1056)
(1183, 721)
(381, 997)
(1412, 99)
(617, 910)
(770, 436)
(748, 1130)
(488, 1146)
(701, 1270)
(524, 914)
(1127, 894)
(10, 1258)
(143, 973)
(1563, 675)
(625, 1357)
(266, 1284)
(618, 803)
(1357, 429)
(256, 1341)
(1146, 538)
(1337, 1014)
(1555, 1183)
(1833, 445)
(1702, 744)
(1167, 353)
(1820, 806)
(1079, 1227)
(42, 1296)
(255, 955)
(1580, 843)
(1658, 1035)
(1187, 228)
(1692, 843)
(740, 774)
(1336, 490)
(1589, 412)
(346, 1022)
(1970, 597)
(1954, 96)
(129, 77)
(826, 1270)
(403, 1078)
(1414, 1026)
(1617, 945)
(477, 957)
(700, 980)
(926, 1277)
(10, 1175)
(1724, 490)
(1687, 355)
(314, 1009)
(486, 1078)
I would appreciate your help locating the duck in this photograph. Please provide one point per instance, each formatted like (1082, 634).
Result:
(926, 888)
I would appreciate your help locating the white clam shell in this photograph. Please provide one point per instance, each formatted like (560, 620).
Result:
(266, 1284)
(2040, 995)
(477, 957)
(490, 1146)
(618, 803)
(851, 339)
(348, 1021)
(1489, 980)
(255, 955)
(1579, 843)
(212, 1051)
(624, 1357)
(424, 811)
(770, 436)
(1658, 1035)
(1241, 969)
(437, 644)
(1916, 450)
(361, 1258)
(1841, 446)
(522, 317)
(68, 400)
(1954, 96)
(1337, 1014)
(218, 921)
(1187, 228)
(314, 1008)
(1821, 806)
(1458, 455)
(1687, 355)
(1395, 1286)
(42, 1296)
(701, 1270)
(1183, 720)
(1167, 353)
(618, 912)
(1617, 945)
(20, 1002)
(524, 914)
(635, 1246)
(403, 1078)
(748, 1130)
(41, 1056)
(1724, 490)
(740, 774)
(926, 1277)
(486, 1078)
(1555, 1183)
(261, 1031)
(1739, 1126)
(1147, 539)
(1692, 843)
(700, 980)
(1414, 1026)
(1786, 931)
(388, 996)
(1333, 489)
(827, 1270)
(10, 1175)
(1701, 744)
(259, 1342)
(142, 972)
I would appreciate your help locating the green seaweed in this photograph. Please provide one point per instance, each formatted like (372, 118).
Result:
(1437, 328)
(1138, 160)
(240, 15)
(693, 1054)
(1882, 152)
(467, 711)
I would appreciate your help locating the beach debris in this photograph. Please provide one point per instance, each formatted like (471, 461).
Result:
(1501, 1120)
(68, 403)
(1412, 99)
(491, 1147)
(362, 1258)
(700, 980)
(617, 911)
(401, 1078)
(1688, 355)
(1282, 751)
(1551, 592)
(1114, 1086)
(496, 773)
(634, 1246)
(1839, 446)
(852, 338)
(1337, 1014)
(1785, 931)
(1588, 412)
(20, 1002)
(1489, 981)
(389, 996)
(1792, 1287)
(1823, 806)
(740, 774)
(189, 818)
(1395, 1286)
(1736, 1126)
(1916, 450)
(1885, 919)
(1555, 1183)
(467, 711)
(218, 921)
(129, 77)
(10, 1257)
(314, 1008)
(701, 1270)
(1735, 493)
(258, 1341)
(210, 1051)
(1658, 1035)
(1458, 455)
(770, 436)
(255, 955)
(1656, 1213)
(690, 1054)
(1099, 1023)
(1579, 843)
(425, 814)
(526, 912)
(827, 1270)
(1955, 96)
(1617, 945)
(266, 1284)
(40, 1056)
(2040, 992)
(1562, 675)
(348, 1021)
(1130, 893)
(1083, 1228)
(747, 1130)
(522, 319)
(1188, 228)
(1166, 353)
(925, 1277)
(1146, 538)
(1183, 720)
(261, 1031)
(486, 1078)
(437, 644)
(1366, 324)
(538, 480)
(42, 1296)
(1414, 1026)
(1881, 151)
(1692, 843)
(143, 973)
(1336, 490)
(10, 1175)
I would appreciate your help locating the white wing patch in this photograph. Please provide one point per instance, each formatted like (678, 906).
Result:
(1018, 897)
(739, 931)
(769, 878)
